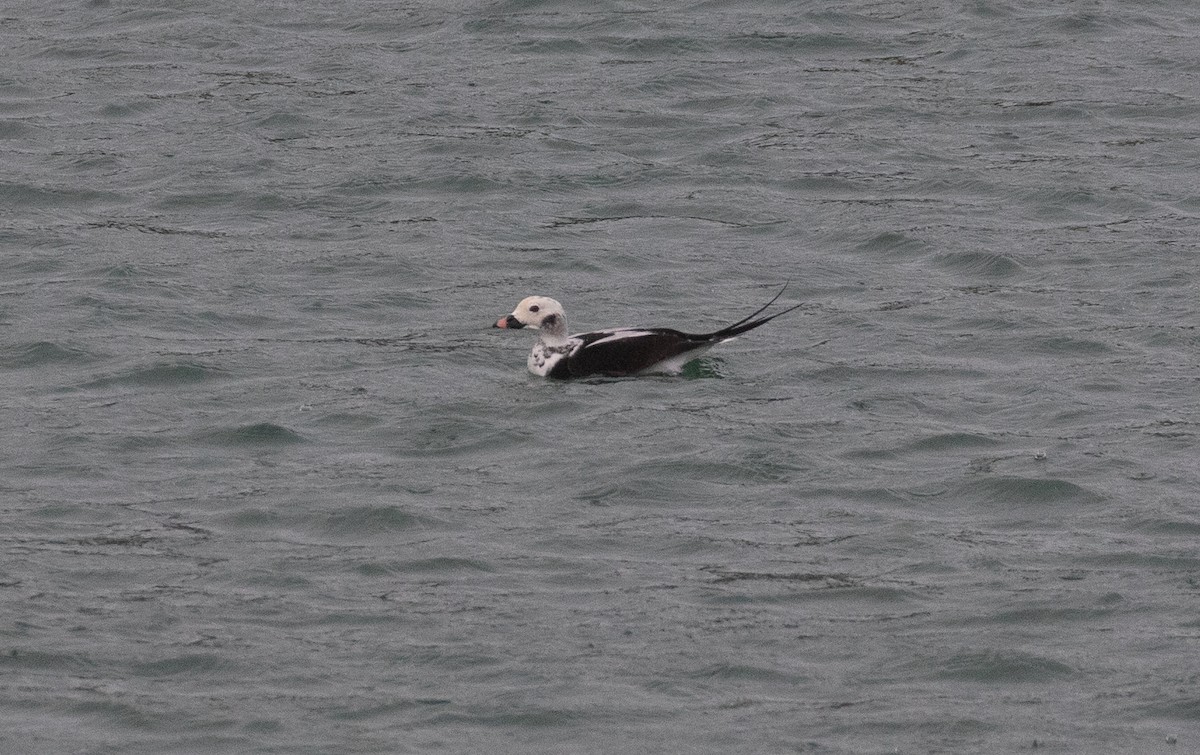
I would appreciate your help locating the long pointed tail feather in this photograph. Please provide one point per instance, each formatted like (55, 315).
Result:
(760, 310)
(749, 323)
(742, 327)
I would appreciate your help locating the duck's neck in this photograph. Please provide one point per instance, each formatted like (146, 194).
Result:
(553, 330)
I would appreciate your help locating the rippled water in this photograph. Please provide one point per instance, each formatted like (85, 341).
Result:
(271, 484)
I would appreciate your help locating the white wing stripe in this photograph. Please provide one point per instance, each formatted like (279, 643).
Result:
(621, 335)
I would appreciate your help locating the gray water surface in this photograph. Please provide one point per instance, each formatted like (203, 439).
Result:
(270, 483)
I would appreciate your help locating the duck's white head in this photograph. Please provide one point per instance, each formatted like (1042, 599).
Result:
(539, 312)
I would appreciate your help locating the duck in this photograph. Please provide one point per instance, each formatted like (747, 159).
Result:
(616, 352)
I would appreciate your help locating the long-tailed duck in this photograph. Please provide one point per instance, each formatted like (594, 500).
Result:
(618, 352)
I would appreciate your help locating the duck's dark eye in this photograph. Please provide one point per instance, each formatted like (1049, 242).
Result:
(534, 308)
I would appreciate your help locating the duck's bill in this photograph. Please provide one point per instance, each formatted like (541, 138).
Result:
(508, 321)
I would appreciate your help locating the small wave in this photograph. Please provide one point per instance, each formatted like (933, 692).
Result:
(942, 442)
(1024, 491)
(985, 264)
(159, 375)
(369, 520)
(1001, 666)
(424, 566)
(892, 244)
(257, 434)
(191, 665)
(39, 353)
